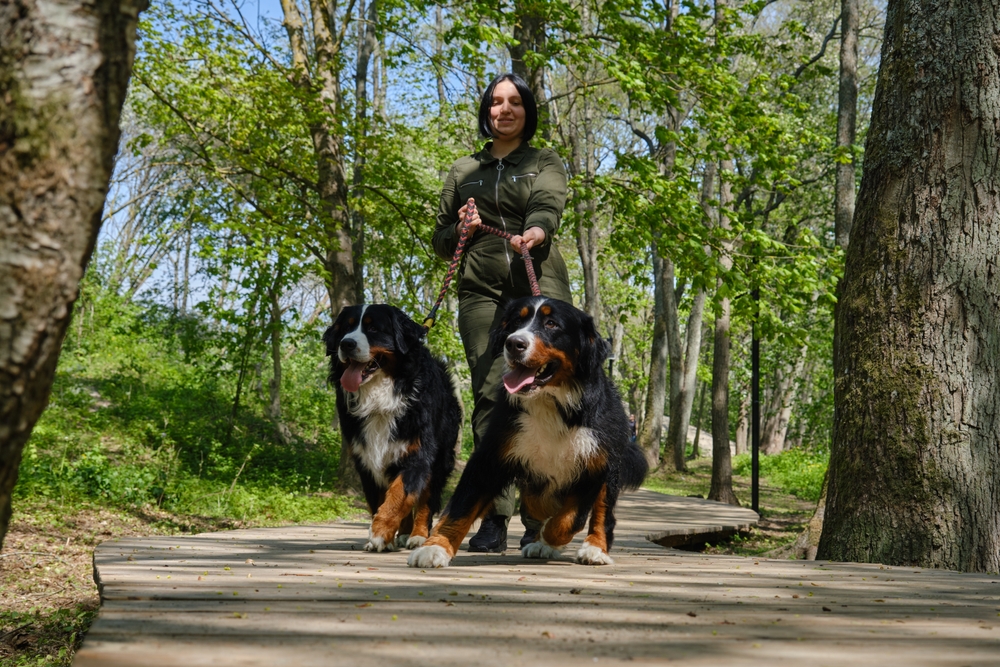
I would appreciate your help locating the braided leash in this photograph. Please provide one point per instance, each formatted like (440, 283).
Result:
(456, 258)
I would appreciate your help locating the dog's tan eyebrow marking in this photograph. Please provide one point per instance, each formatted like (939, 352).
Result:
(546, 310)
(524, 311)
(352, 321)
(367, 320)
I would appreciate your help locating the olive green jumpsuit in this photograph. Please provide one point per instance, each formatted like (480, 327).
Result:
(525, 189)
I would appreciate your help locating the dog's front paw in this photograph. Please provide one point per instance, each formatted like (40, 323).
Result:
(415, 541)
(591, 555)
(540, 550)
(376, 543)
(429, 556)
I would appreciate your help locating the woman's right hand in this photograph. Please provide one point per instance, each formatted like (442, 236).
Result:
(472, 223)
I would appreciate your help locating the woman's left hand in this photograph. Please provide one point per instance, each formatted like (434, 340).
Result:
(534, 236)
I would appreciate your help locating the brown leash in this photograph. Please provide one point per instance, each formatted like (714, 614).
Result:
(456, 258)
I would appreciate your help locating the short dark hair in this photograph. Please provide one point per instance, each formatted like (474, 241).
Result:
(527, 100)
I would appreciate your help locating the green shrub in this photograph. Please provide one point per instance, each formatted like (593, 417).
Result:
(798, 471)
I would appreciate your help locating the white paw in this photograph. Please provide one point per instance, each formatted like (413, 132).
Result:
(415, 541)
(425, 557)
(591, 555)
(541, 550)
(401, 540)
(379, 544)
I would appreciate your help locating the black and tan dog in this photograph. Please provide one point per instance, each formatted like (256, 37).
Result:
(399, 416)
(558, 429)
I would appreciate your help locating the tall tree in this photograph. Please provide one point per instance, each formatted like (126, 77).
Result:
(64, 71)
(721, 488)
(914, 453)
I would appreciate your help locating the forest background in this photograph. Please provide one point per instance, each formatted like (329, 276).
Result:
(280, 162)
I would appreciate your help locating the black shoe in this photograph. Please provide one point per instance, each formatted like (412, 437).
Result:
(529, 537)
(492, 535)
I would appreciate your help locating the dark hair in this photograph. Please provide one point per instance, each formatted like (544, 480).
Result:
(527, 100)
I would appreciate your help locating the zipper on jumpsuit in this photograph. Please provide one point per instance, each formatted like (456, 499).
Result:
(500, 212)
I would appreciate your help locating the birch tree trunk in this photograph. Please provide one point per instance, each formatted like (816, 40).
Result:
(64, 70)
(914, 459)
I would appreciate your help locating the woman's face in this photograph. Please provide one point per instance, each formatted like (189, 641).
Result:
(507, 112)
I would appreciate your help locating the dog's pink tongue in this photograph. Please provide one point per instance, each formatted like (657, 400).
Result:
(351, 379)
(518, 379)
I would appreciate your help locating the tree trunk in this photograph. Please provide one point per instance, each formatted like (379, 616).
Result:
(847, 114)
(696, 445)
(743, 424)
(331, 183)
(281, 430)
(721, 488)
(683, 400)
(366, 42)
(914, 455)
(656, 392)
(64, 70)
(529, 33)
(779, 407)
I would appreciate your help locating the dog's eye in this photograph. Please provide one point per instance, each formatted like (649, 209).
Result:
(551, 324)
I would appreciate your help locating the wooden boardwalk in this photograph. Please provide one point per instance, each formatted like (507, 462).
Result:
(307, 595)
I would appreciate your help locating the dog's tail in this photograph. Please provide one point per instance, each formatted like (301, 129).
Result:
(634, 467)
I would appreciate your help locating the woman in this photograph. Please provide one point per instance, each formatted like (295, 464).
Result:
(521, 190)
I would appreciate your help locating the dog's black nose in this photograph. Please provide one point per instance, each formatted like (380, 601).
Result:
(516, 344)
(348, 345)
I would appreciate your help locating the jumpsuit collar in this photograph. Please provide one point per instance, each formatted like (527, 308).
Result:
(514, 157)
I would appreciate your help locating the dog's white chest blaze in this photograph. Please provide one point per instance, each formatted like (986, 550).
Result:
(547, 447)
(378, 408)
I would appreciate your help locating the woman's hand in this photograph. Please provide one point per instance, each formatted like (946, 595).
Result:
(534, 236)
(472, 224)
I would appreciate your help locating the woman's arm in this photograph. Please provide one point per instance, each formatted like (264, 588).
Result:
(445, 235)
(547, 199)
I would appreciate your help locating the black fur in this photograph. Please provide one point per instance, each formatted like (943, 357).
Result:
(426, 414)
(584, 398)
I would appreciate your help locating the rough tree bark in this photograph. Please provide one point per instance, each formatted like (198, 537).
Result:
(317, 64)
(721, 488)
(656, 393)
(64, 70)
(914, 455)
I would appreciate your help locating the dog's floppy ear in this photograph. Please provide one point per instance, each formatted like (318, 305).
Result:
(331, 335)
(594, 350)
(406, 333)
(499, 335)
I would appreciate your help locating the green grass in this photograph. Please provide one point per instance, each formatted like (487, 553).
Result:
(138, 417)
(783, 513)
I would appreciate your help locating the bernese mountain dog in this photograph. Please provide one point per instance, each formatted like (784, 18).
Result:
(558, 429)
(399, 417)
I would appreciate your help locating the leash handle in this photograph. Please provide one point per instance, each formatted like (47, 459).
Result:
(456, 258)
(463, 238)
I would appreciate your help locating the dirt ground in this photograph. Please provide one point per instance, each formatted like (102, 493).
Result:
(46, 573)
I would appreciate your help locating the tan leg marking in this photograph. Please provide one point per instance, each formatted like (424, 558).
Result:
(449, 532)
(421, 515)
(390, 514)
(558, 531)
(596, 535)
